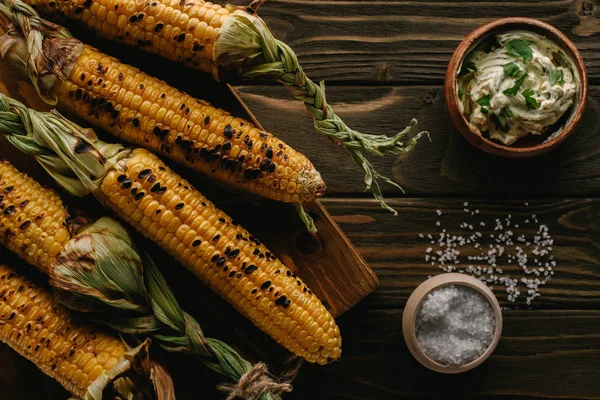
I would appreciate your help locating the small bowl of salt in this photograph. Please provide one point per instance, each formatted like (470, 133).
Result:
(452, 323)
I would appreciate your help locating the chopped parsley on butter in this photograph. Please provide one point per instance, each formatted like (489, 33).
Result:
(520, 84)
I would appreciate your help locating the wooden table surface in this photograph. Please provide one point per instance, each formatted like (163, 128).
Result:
(384, 63)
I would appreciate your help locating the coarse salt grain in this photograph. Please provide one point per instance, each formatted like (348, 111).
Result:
(540, 245)
(455, 325)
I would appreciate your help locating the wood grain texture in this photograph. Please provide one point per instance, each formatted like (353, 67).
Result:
(542, 354)
(393, 248)
(395, 41)
(392, 41)
(448, 165)
(551, 350)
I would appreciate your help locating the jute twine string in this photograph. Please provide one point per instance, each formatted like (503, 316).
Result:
(246, 40)
(253, 383)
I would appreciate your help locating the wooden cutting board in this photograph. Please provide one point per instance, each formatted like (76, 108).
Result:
(326, 261)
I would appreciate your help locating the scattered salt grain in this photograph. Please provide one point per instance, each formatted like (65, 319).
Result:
(510, 248)
(454, 325)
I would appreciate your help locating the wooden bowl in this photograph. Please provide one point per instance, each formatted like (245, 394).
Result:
(413, 304)
(517, 150)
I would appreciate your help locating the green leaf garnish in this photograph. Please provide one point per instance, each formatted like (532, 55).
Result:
(530, 102)
(484, 101)
(555, 77)
(511, 69)
(519, 48)
(515, 89)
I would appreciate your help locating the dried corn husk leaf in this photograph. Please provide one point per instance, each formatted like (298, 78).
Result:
(101, 272)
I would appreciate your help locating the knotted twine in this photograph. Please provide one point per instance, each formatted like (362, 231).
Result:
(101, 271)
(246, 47)
(253, 383)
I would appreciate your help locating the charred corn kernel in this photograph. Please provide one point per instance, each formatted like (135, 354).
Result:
(225, 256)
(183, 31)
(33, 221)
(49, 338)
(146, 111)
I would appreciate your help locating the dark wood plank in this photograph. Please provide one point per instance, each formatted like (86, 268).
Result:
(548, 351)
(394, 249)
(448, 165)
(392, 41)
(546, 354)
(407, 42)
(542, 354)
(376, 364)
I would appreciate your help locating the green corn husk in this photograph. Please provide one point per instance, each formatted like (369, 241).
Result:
(100, 271)
(245, 47)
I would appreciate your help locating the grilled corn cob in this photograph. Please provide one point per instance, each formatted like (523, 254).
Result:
(148, 112)
(168, 210)
(82, 359)
(162, 206)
